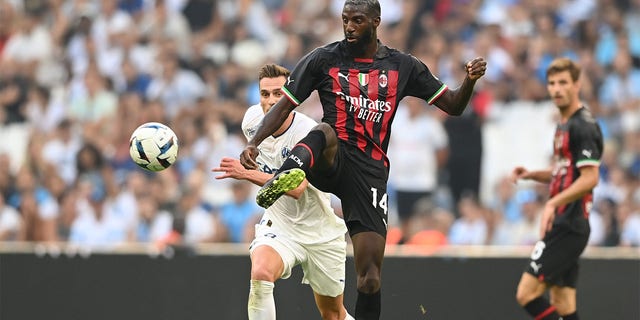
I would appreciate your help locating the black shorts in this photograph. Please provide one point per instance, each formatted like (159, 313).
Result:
(554, 259)
(361, 185)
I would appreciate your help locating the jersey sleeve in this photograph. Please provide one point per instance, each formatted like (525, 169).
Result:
(587, 146)
(304, 78)
(251, 121)
(422, 83)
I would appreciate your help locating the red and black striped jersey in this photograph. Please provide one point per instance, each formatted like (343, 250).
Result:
(577, 143)
(360, 96)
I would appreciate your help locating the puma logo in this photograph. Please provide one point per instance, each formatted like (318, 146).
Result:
(535, 267)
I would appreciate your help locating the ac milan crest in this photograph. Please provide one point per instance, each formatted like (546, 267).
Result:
(383, 80)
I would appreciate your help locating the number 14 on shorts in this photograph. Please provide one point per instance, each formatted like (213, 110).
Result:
(383, 200)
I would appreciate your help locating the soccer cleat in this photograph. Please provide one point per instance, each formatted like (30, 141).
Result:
(280, 184)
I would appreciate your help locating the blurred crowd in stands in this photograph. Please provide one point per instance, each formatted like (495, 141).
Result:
(78, 76)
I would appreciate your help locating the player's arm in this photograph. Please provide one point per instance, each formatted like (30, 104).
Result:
(269, 124)
(521, 173)
(588, 179)
(453, 102)
(231, 168)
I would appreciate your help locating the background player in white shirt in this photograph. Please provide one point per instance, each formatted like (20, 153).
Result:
(300, 229)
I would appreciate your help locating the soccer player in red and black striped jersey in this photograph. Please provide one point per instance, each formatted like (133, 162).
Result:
(360, 82)
(564, 228)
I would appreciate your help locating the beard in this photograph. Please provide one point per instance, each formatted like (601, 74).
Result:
(359, 46)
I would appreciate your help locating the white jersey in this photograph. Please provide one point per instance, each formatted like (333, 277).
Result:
(309, 219)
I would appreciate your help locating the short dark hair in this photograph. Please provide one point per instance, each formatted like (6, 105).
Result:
(372, 6)
(564, 64)
(272, 70)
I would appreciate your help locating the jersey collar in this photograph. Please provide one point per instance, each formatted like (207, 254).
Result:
(382, 52)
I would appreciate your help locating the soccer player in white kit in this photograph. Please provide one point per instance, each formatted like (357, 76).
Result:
(301, 229)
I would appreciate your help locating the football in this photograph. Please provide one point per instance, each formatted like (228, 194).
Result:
(153, 146)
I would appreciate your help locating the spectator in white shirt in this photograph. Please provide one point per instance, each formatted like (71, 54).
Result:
(31, 45)
(96, 226)
(60, 152)
(418, 149)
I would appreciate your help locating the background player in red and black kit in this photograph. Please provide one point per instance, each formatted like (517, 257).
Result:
(564, 228)
(360, 82)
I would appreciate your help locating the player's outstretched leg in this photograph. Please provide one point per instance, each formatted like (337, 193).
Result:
(261, 305)
(280, 184)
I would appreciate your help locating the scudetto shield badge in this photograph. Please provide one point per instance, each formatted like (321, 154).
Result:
(363, 78)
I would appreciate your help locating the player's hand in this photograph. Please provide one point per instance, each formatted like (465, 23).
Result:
(476, 68)
(231, 168)
(519, 173)
(248, 157)
(548, 215)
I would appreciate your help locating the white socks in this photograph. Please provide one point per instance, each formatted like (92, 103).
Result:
(261, 305)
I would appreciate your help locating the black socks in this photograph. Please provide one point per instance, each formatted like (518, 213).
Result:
(306, 152)
(368, 306)
(541, 309)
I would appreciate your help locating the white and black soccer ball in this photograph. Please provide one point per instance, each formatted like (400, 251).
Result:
(153, 146)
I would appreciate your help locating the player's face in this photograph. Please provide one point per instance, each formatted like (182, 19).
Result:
(358, 27)
(562, 89)
(270, 91)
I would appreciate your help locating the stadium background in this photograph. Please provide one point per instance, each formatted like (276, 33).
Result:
(77, 76)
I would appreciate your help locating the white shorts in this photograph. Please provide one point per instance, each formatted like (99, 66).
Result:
(322, 264)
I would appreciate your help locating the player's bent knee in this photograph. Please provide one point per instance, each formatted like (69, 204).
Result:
(564, 305)
(324, 127)
(369, 284)
(263, 274)
(559, 304)
(529, 289)
(329, 133)
(524, 296)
